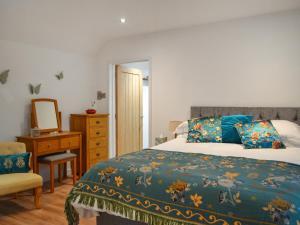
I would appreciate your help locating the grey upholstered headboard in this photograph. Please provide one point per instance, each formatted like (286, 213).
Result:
(269, 113)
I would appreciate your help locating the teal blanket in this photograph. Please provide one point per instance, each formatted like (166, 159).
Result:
(175, 188)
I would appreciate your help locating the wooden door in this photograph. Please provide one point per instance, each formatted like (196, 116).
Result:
(129, 108)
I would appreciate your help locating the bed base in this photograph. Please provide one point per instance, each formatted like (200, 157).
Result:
(106, 219)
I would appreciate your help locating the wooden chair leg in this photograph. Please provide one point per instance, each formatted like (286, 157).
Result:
(37, 196)
(51, 177)
(74, 170)
(59, 172)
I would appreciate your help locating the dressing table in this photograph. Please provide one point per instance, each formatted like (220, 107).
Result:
(45, 117)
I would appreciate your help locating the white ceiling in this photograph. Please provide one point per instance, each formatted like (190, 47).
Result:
(83, 26)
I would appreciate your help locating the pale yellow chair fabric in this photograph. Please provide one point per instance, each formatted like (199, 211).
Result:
(18, 182)
(9, 148)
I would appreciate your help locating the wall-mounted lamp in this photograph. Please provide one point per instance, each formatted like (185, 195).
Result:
(101, 95)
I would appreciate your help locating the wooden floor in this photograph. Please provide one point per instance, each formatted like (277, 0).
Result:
(21, 211)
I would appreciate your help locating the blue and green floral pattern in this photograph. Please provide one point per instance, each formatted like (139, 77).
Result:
(206, 129)
(259, 134)
(175, 188)
(18, 163)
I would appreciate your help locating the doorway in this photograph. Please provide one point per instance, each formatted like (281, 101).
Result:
(131, 106)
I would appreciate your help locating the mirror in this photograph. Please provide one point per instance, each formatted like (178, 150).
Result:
(45, 115)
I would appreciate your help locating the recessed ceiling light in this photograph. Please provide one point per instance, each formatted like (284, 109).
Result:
(123, 20)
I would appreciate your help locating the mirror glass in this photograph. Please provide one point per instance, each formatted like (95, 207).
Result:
(46, 115)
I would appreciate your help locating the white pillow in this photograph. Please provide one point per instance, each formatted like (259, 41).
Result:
(182, 136)
(182, 128)
(288, 131)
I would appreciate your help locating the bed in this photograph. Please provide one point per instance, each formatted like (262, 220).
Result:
(176, 183)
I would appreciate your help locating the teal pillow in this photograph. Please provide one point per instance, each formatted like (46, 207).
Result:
(206, 129)
(17, 163)
(229, 133)
(259, 134)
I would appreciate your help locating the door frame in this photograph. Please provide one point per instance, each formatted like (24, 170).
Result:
(112, 103)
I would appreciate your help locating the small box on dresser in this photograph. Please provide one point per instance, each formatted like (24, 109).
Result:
(94, 128)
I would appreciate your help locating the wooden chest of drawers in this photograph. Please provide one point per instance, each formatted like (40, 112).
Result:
(94, 129)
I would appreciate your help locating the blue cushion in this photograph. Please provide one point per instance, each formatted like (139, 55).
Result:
(17, 163)
(259, 134)
(229, 133)
(206, 129)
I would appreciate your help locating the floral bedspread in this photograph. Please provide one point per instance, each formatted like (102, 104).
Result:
(174, 188)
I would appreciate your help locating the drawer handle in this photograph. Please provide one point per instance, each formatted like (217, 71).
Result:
(98, 133)
(97, 143)
(97, 122)
(49, 145)
(98, 154)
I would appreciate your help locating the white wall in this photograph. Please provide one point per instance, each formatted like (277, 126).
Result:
(246, 62)
(29, 64)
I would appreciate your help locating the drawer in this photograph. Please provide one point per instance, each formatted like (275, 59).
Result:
(98, 132)
(71, 142)
(98, 154)
(95, 161)
(98, 122)
(46, 146)
(98, 142)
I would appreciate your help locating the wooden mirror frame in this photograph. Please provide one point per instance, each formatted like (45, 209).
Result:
(34, 122)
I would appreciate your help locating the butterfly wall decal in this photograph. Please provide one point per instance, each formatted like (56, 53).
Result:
(4, 76)
(60, 76)
(35, 89)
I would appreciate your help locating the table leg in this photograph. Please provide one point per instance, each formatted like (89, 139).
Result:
(37, 167)
(74, 170)
(35, 163)
(60, 172)
(80, 163)
(80, 157)
(65, 170)
(52, 177)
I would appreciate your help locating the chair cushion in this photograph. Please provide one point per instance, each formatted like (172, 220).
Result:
(17, 182)
(57, 157)
(16, 163)
(206, 129)
(229, 133)
(259, 134)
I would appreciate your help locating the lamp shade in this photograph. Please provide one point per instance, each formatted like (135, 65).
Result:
(173, 125)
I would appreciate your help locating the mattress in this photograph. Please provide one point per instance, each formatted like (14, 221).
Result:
(289, 155)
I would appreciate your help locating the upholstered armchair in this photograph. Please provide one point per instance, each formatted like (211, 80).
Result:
(18, 182)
